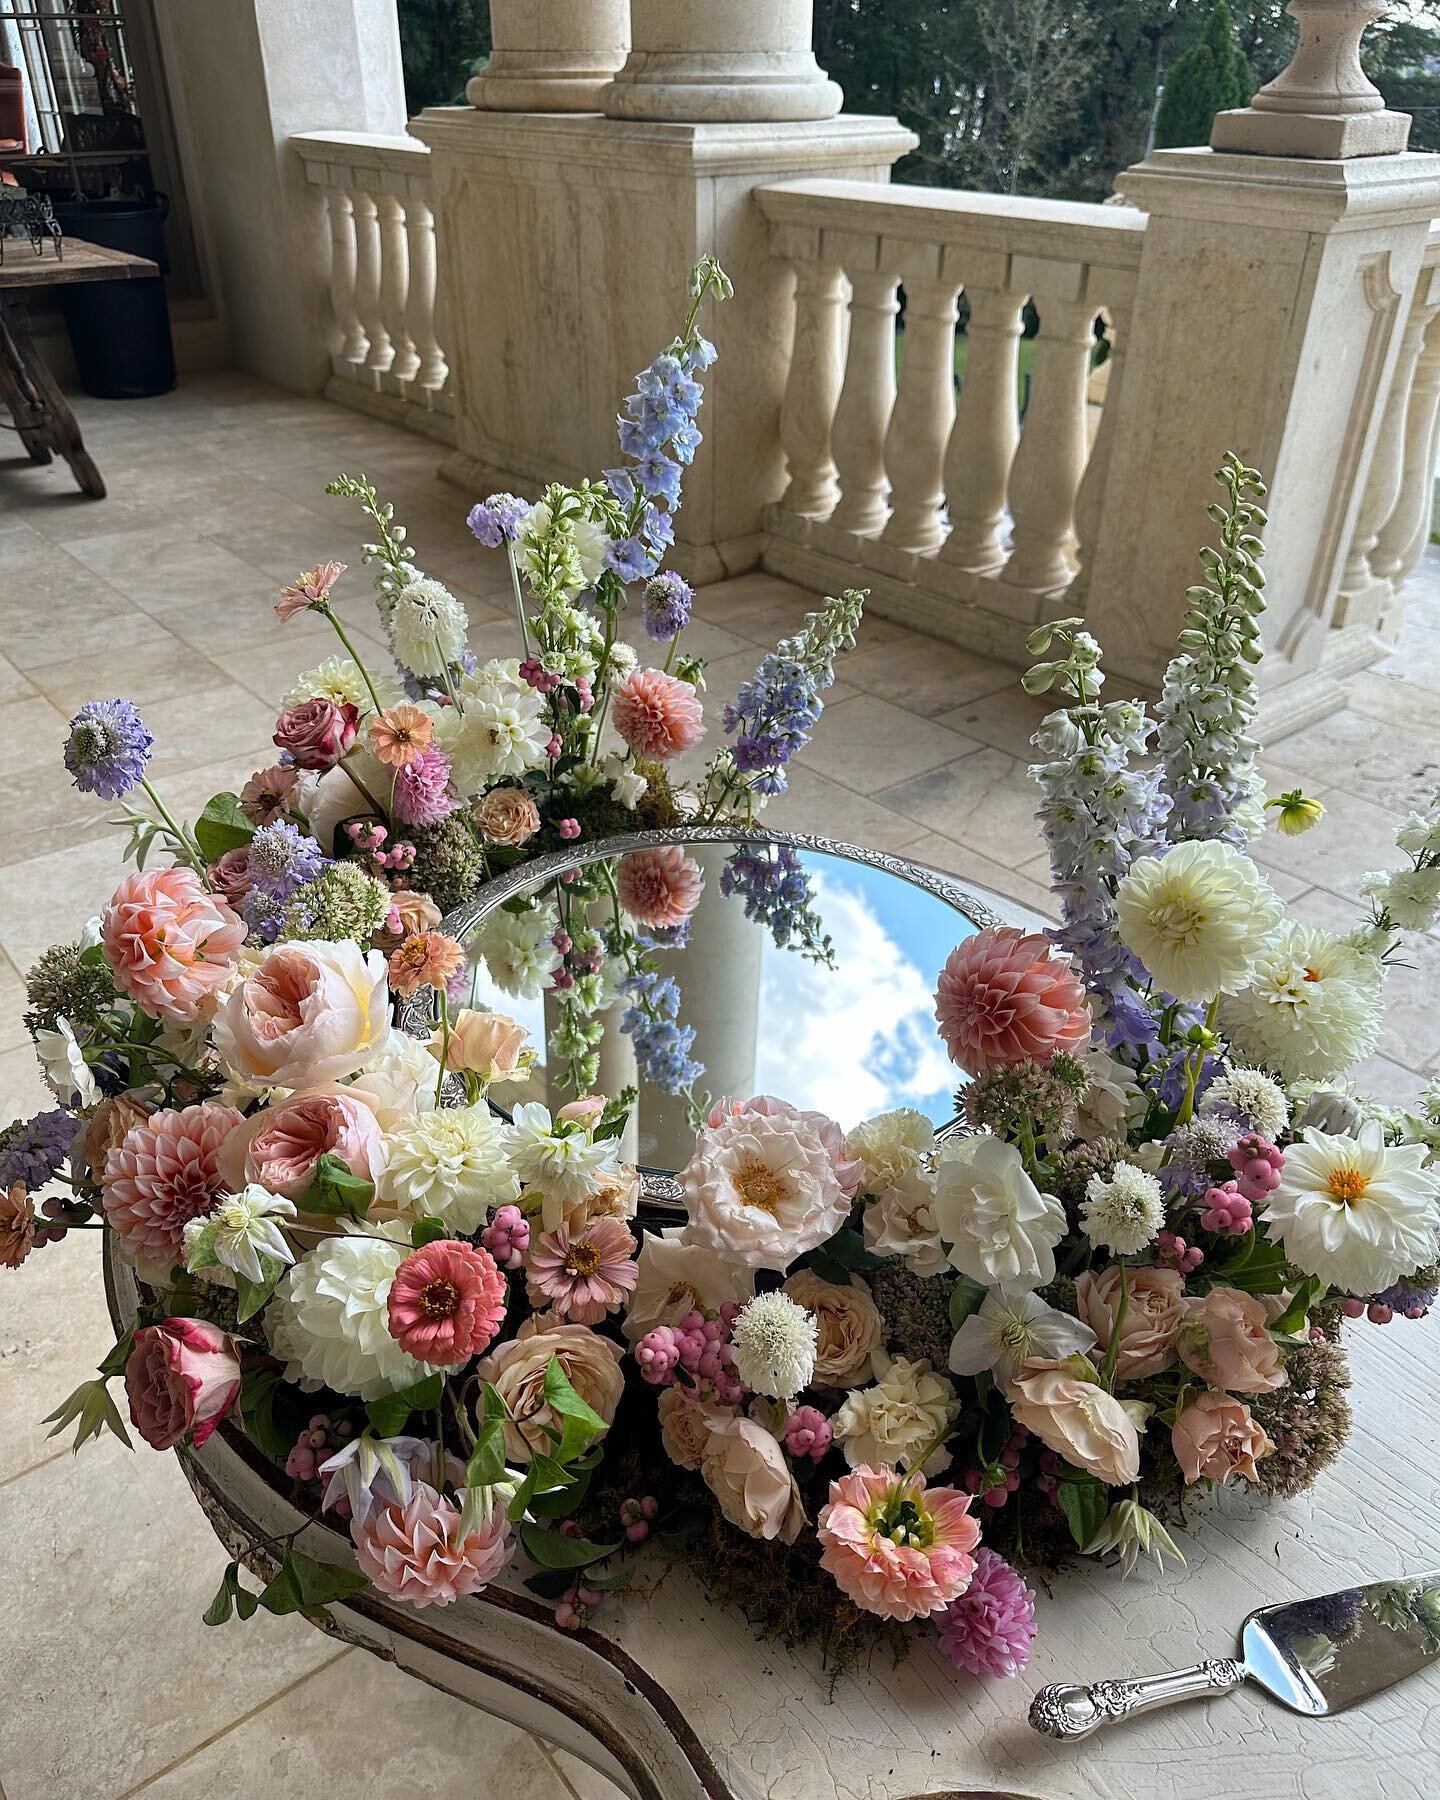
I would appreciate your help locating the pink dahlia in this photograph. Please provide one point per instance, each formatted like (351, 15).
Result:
(415, 1552)
(169, 942)
(583, 1274)
(659, 888)
(895, 1548)
(658, 715)
(1004, 998)
(164, 1173)
(422, 789)
(990, 1628)
(447, 1302)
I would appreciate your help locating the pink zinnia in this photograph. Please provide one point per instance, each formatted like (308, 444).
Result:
(659, 888)
(165, 1172)
(894, 1548)
(582, 1274)
(1004, 998)
(414, 1552)
(428, 959)
(307, 590)
(267, 795)
(447, 1302)
(422, 789)
(169, 942)
(990, 1628)
(658, 715)
(17, 1225)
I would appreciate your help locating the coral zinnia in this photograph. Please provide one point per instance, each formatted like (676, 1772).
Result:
(415, 1552)
(168, 942)
(894, 1547)
(164, 1173)
(658, 715)
(659, 888)
(583, 1274)
(447, 1302)
(401, 735)
(1004, 998)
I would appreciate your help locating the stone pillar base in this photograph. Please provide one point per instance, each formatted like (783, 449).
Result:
(530, 81)
(1326, 136)
(761, 87)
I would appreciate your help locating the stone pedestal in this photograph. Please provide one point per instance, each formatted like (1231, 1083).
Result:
(721, 59)
(566, 247)
(551, 55)
(1268, 317)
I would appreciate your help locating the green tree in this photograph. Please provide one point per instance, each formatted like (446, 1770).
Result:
(1210, 77)
(441, 43)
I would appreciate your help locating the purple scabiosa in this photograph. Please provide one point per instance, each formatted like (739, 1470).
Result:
(1411, 1297)
(108, 748)
(1199, 1154)
(667, 603)
(32, 1150)
(990, 1628)
(422, 790)
(283, 859)
(498, 520)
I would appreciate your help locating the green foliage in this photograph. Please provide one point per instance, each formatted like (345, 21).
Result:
(1210, 77)
(1085, 1501)
(300, 1585)
(441, 44)
(335, 1188)
(222, 826)
(391, 1413)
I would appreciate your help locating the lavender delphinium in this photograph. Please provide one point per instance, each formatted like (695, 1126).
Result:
(776, 891)
(108, 748)
(32, 1150)
(651, 1022)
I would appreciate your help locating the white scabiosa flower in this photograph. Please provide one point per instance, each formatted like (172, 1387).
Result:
(559, 1156)
(1252, 1096)
(1312, 1005)
(1001, 1229)
(428, 626)
(451, 1164)
(898, 1419)
(890, 1145)
(1008, 1331)
(774, 1345)
(622, 660)
(329, 1318)
(339, 679)
(1355, 1211)
(1196, 917)
(1122, 1214)
(517, 950)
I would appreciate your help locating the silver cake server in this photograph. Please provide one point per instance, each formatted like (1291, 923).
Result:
(1314, 1656)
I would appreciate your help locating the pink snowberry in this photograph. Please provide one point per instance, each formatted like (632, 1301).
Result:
(300, 1463)
(1257, 1163)
(808, 1433)
(366, 834)
(1352, 1308)
(1378, 1313)
(507, 1237)
(569, 829)
(657, 1355)
(1227, 1210)
(586, 694)
(562, 941)
(554, 747)
(1173, 1252)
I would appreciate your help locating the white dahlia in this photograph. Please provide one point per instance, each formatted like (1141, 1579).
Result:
(890, 1145)
(774, 1342)
(428, 626)
(762, 1190)
(1355, 1211)
(1312, 1006)
(329, 1319)
(1196, 917)
(1002, 1231)
(558, 1156)
(1410, 896)
(451, 1164)
(517, 950)
(502, 733)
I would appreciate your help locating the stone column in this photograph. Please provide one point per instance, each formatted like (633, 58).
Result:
(721, 59)
(551, 55)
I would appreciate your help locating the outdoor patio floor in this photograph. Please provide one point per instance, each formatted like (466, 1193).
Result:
(164, 593)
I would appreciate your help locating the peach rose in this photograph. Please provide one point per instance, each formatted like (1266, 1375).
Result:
(279, 1146)
(1152, 1316)
(107, 1128)
(517, 1368)
(507, 816)
(745, 1469)
(616, 1195)
(849, 1328)
(686, 1424)
(170, 943)
(486, 1044)
(309, 1013)
(1225, 1340)
(1215, 1436)
(1079, 1421)
(418, 912)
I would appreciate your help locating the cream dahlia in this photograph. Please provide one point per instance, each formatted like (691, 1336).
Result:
(451, 1165)
(1196, 917)
(502, 733)
(761, 1190)
(1001, 1229)
(1004, 997)
(1311, 1007)
(165, 1172)
(895, 1548)
(416, 1551)
(517, 950)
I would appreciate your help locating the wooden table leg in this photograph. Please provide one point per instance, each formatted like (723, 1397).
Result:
(41, 412)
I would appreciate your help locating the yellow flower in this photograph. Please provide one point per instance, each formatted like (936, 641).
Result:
(1295, 812)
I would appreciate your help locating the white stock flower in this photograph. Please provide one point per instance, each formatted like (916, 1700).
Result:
(63, 1064)
(339, 679)
(1419, 836)
(1254, 1096)
(673, 1278)
(773, 1341)
(898, 1418)
(1196, 917)
(626, 783)
(890, 1145)
(1123, 1214)
(517, 950)
(329, 1319)
(901, 1222)
(1007, 1331)
(557, 1156)
(428, 626)
(242, 1228)
(451, 1164)
(1354, 1211)
(1001, 1229)
(1311, 1008)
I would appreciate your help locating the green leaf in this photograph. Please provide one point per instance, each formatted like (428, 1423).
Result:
(202, 1251)
(222, 826)
(492, 1407)
(1085, 1502)
(550, 1584)
(221, 1607)
(848, 1249)
(1292, 1321)
(425, 1231)
(543, 1476)
(487, 1460)
(114, 1363)
(561, 1398)
(252, 1295)
(282, 1594)
(273, 1412)
(246, 1603)
(322, 1582)
(336, 1189)
(553, 1550)
(391, 1412)
(965, 1298)
(1257, 1267)
(561, 1503)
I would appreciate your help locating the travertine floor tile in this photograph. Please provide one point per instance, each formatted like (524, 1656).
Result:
(868, 744)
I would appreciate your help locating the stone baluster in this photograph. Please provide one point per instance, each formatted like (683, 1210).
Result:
(420, 225)
(1050, 461)
(987, 428)
(862, 415)
(722, 60)
(812, 391)
(1407, 531)
(1090, 500)
(551, 55)
(368, 302)
(924, 412)
(395, 287)
(352, 345)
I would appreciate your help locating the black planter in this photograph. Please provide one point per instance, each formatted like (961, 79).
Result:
(120, 330)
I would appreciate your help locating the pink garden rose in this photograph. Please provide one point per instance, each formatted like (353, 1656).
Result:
(1225, 1339)
(744, 1467)
(849, 1170)
(169, 942)
(318, 732)
(1152, 1316)
(1216, 1437)
(1078, 1421)
(658, 715)
(894, 1547)
(279, 1146)
(1004, 997)
(310, 1013)
(490, 1045)
(229, 875)
(182, 1377)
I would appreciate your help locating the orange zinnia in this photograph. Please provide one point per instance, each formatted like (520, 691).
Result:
(401, 735)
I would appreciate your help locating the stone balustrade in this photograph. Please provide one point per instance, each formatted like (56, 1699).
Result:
(962, 519)
(386, 317)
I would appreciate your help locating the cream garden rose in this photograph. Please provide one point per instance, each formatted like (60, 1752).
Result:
(744, 1467)
(849, 1329)
(1079, 1421)
(307, 1014)
(590, 1363)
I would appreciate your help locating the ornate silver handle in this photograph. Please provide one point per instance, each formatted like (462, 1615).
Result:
(1066, 1709)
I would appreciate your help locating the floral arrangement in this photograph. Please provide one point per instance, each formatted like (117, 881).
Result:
(873, 1374)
